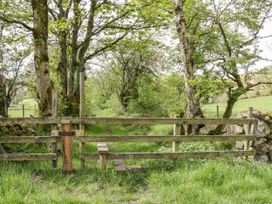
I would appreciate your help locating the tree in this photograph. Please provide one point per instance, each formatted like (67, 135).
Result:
(130, 61)
(40, 38)
(13, 52)
(15, 13)
(237, 25)
(193, 105)
(85, 30)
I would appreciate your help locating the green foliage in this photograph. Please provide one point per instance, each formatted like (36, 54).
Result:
(207, 87)
(162, 97)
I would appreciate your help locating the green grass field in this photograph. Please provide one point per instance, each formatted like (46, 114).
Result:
(165, 181)
(263, 104)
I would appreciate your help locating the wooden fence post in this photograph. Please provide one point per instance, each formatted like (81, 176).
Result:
(176, 131)
(54, 131)
(217, 111)
(54, 104)
(102, 149)
(23, 110)
(82, 115)
(67, 136)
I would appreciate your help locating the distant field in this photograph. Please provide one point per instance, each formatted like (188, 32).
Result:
(30, 109)
(263, 104)
(19, 112)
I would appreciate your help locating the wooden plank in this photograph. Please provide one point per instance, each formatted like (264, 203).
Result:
(171, 155)
(28, 139)
(79, 133)
(136, 121)
(120, 165)
(28, 157)
(151, 121)
(102, 148)
(30, 121)
(181, 138)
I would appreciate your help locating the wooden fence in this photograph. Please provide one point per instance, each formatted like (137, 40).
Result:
(66, 137)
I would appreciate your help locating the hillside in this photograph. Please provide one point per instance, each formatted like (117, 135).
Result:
(263, 103)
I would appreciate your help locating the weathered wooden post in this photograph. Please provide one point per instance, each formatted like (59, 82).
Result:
(102, 150)
(82, 115)
(54, 104)
(54, 132)
(217, 111)
(23, 110)
(67, 136)
(176, 132)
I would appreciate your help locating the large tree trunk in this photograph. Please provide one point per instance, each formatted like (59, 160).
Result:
(193, 105)
(233, 96)
(3, 99)
(227, 114)
(40, 35)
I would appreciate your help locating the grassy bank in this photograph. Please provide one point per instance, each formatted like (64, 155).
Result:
(177, 181)
(263, 104)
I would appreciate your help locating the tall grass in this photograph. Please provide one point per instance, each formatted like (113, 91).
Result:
(162, 181)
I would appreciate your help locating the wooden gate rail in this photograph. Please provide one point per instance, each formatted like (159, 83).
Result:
(29, 140)
(177, 138)
(164, 155)
(169, 155)
(127, 121)
(28, 157)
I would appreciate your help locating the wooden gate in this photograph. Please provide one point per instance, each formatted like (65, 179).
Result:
(66, 135)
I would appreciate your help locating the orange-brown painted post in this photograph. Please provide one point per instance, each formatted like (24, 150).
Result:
(67, 147)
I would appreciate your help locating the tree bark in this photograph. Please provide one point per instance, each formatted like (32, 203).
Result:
(40, 37)
(232, 99)
(193, 105)
(3, 107)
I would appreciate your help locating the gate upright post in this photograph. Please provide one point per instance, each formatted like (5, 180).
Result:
(67, 136)
(82, 115)
(176, 131)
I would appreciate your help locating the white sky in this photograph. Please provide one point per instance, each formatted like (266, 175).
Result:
(266, 46)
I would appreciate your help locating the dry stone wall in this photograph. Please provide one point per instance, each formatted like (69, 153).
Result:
(263, 143)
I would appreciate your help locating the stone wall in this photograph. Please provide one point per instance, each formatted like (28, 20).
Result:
(263, 144)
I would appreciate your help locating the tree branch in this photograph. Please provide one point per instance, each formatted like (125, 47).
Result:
(98, 51)
(13, 21)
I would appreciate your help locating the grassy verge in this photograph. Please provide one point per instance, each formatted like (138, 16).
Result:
(164, 181)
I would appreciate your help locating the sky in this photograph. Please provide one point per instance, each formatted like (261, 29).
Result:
(265, 45)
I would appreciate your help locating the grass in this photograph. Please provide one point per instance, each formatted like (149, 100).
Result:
(263, 104)
(164, 181)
